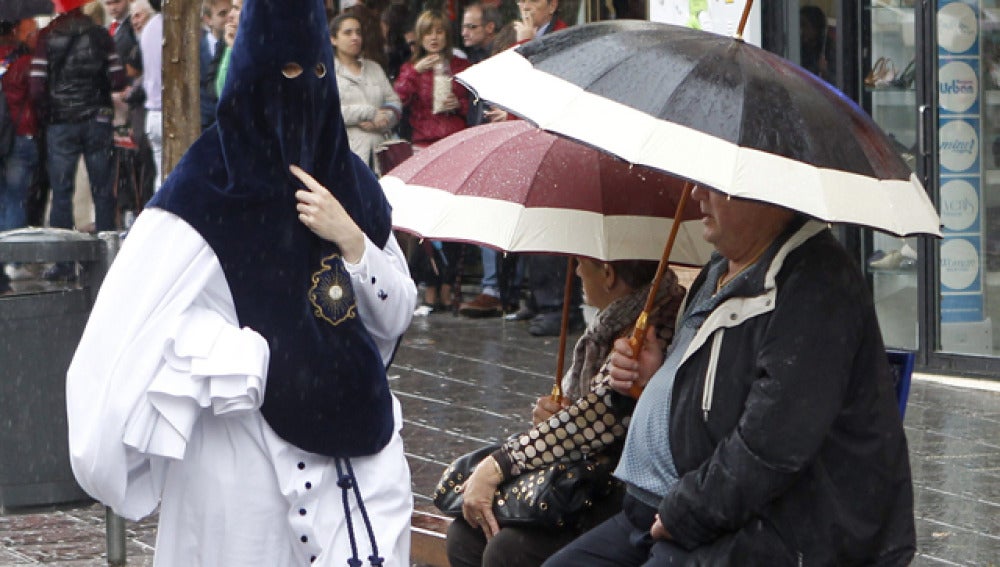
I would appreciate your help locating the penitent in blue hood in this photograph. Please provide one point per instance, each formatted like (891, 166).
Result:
(326, 386)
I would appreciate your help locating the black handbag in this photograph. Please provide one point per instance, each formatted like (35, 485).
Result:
(550, 497)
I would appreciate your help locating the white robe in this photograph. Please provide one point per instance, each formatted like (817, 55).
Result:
(163, 399)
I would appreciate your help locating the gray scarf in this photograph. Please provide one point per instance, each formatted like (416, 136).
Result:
(617, 320)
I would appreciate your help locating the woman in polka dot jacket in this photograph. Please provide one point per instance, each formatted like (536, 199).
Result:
(591, 419)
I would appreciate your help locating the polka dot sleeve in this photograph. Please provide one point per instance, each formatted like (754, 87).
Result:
(587, 427)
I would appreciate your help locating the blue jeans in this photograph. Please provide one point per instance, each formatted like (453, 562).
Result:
(15, 177)
(491, 280)
(66, 142)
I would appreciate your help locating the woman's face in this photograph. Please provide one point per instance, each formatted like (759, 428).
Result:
(434, 40)
(348, 40)
(594, 276)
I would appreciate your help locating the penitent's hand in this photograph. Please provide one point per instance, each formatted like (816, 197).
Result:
(625, 371)
(323, 214)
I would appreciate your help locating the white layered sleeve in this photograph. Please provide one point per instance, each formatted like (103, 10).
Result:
(162, 344)
(385, 293)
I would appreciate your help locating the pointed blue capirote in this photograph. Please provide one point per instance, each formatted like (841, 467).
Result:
(326, 385)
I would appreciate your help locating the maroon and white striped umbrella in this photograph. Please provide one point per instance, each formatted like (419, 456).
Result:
(517, 188)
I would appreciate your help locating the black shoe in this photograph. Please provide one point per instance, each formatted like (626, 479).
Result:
(548, 324)
(525, 313)
(4, 281)
(60, 271)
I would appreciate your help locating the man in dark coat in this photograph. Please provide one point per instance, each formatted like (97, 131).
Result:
(74, 70)
(770, 435)
(120, 28)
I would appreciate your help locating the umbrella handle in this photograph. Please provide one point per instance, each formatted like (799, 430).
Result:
(635, 342)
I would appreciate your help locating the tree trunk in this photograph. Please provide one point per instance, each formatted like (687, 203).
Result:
(181, 79)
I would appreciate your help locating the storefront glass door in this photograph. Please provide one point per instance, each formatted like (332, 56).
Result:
(890, 66)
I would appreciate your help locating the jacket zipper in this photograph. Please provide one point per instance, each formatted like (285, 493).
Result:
(713, 365)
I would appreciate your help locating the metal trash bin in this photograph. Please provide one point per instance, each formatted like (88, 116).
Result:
(40, 326)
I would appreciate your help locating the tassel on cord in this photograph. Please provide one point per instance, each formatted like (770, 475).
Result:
(347, 482)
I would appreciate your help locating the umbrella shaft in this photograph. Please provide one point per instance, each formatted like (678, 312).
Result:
(639, 334)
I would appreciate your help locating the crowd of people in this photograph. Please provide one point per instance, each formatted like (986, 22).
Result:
(89, 85)
(77, 90)
(419, 54)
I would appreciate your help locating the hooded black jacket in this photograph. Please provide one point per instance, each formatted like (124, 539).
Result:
(797, 454)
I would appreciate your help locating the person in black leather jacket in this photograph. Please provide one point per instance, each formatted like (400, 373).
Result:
(74, 70)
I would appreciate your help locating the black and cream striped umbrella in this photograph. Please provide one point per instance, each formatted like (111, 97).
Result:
(714, 110)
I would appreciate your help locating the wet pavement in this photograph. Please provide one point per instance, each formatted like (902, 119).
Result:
(464, 383)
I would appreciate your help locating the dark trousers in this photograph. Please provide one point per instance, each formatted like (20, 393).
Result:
(622, 541)
(511, 547)
(16, 170)
(523, 547)
(66, 142)
(547, 282)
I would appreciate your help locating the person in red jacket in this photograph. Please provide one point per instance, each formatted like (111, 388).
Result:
(437, 107)
(17, 162)
(432, 59)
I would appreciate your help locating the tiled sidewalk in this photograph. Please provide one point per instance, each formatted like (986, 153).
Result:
(464, 383)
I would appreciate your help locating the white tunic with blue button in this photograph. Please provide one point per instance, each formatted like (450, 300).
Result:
(163, 399)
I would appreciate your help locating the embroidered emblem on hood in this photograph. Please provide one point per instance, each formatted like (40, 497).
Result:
(331, 294)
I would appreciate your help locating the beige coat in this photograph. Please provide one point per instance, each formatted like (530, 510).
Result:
(361, 96)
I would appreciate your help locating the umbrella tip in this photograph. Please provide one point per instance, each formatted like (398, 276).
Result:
(743, 20)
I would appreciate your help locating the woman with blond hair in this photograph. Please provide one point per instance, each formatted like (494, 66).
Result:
(438, 107)
(434, 113)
